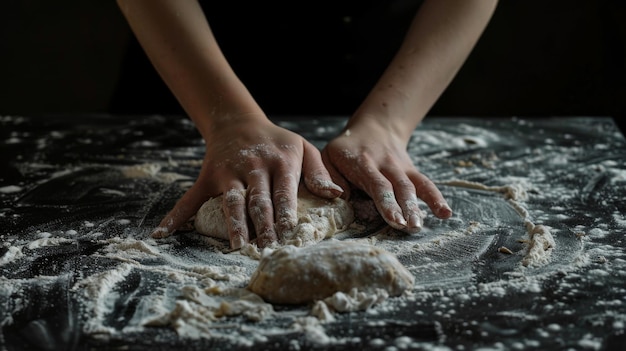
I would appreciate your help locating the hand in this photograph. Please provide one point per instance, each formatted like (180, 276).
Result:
(375, 161)
(254, 154)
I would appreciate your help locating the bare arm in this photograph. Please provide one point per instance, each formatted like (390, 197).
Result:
(437, 44)
(244, 150)
(372, 155)
(181, 46)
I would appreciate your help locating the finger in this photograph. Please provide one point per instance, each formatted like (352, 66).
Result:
(186, 207)
(406, 197)
(285, 200)
(378, 187)
(430, 194)
(334, 174)
(316, 176)
(260, 207)
(234, 205)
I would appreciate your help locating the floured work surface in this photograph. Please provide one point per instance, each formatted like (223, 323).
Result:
(533, 258)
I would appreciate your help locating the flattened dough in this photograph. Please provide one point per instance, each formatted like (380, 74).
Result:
(291, 275)
(318, 219)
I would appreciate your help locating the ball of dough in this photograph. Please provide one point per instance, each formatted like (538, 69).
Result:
(291, 275)
(318, 219)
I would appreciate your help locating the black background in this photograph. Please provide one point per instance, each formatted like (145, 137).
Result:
(536, 58)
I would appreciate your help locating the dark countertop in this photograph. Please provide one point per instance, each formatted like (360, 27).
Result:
(64, 181)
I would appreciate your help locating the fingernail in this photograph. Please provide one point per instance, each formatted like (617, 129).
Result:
(160, 233)
(287, 223)
(444, 211)
(237, 242)
(415, 221)
(266, 238)
(327, 188)
(397, 217)
(331, 187)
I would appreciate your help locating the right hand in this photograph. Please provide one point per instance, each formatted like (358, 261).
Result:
(252, 153)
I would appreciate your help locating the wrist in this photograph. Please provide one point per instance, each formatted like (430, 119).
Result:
(215, 124)
(382, 121)
(221, 106)
(372, 127)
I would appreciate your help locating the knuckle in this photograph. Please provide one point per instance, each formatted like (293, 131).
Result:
(387, 200)
(283, 197)
(256, 172)
(412, 205)
(405, 185)
(260, 207)
(284, 226)
(266, 236)
(237, 226)
(259, 200)
(234, 197)
(429, 196)
(424, 185)
(379, 185)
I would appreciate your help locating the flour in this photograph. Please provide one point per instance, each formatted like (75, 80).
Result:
(347, 302)
(16, 252)
(195, 296)
(152, 171)
(10, 189)
(467, 137)
(515, 192)
(197, 309)
(48, 241)
(99, 290)
(540, 242)
(619, 219)
(196, 299)
(144, 170)
(540, 245)
(13, 253)
(130, 249)
(445, 237)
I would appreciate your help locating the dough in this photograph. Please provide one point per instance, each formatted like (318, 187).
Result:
(291, 275)
(318, 219)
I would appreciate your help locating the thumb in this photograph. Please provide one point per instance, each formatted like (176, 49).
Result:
(335, 174)
(184, 209)
(316, 177)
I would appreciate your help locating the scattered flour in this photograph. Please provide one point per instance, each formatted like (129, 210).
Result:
(202, 293)
(540, 245)
(151, 170)
(48, 241)
(516, 192)
(540, 242)
(196, 310)
(10, 189)
(13, 253)
(353, 301)
(98, 289)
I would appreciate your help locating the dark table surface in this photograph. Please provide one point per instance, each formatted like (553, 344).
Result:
(64, 199)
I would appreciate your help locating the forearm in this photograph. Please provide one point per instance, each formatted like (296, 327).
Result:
(437, 43)
(179, 42)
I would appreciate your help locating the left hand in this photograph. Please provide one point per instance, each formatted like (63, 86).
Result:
(376, 161)
(269, 161)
